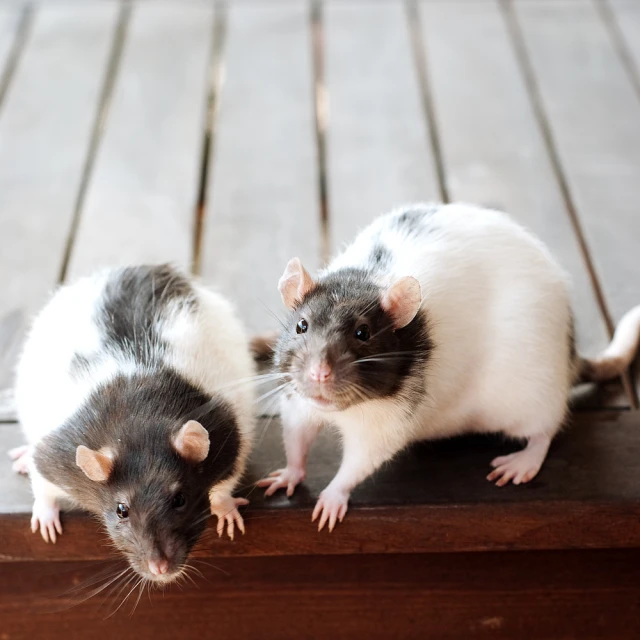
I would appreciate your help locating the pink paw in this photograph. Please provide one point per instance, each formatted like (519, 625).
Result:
(226, 510)
(46, 517)
(332, 506)
(290, 478)
(21, 457)
(517, 467)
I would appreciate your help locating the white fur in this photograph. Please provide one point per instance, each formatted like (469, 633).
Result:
(208, 347)
(498, 310)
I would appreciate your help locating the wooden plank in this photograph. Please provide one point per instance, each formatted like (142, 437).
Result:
(537, 596)
(45, 126)
(493, 149)
(378, 148)
(263, 205)
(432, 499)
(140, 205)
(593, 114)
(627, 19)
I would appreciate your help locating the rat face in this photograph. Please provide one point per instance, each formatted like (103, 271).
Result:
(153, 502)
(157, 524)
(348, 340)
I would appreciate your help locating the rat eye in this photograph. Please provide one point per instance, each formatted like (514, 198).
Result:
(362, 333)
(178, 501)
(302, 326)
(122, 511)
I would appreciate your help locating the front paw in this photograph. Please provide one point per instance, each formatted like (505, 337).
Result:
(290, 478)
(225, 508)
(332, 506)
(46, 517)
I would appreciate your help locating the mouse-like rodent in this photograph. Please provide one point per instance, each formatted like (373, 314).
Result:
(131, 392)
(437, 320)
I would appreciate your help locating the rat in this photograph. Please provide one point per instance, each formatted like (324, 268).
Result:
(436, 321)
(131, 392)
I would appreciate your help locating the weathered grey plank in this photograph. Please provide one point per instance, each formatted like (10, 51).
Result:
(45, 126)
(493, 149)
(140, 205)
(626, 17)
(378, 148)
(594, 116)
(263, 203)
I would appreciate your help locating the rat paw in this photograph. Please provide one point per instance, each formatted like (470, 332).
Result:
(332, 506)
(518, 468)
(290, 478)
(226, 510)
(46, 517)
(21, 457)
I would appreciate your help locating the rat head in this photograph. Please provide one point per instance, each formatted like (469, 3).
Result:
(347, 339)
(152, 497)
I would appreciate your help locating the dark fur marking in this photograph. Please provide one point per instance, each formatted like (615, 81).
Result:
(380, 257)
(133, 299)
(412, 219)
(79, 365)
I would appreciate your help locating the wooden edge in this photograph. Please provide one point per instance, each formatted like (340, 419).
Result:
(407, 529)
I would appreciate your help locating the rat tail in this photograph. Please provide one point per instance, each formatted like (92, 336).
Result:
(621, 351)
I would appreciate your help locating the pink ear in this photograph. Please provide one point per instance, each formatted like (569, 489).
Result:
(192, 442)
(402, 301)
(295, 283)
(96, 465)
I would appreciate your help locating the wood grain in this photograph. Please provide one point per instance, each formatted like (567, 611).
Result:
(45, 126)
(263, 206)
(433, 498)
(541, 595)
(593, 113)
(140, 205)
(378, 147)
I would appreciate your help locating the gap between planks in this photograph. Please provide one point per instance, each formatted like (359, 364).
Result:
(215, 81)
(421, 62)
(321, 113)
(17, 47)
(104, 102)
(524, 62)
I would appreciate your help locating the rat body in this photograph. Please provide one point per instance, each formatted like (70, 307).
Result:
(437, 320)
(128, 392)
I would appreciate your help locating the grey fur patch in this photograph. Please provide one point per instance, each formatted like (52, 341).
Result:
(134, 301)
(411, 220)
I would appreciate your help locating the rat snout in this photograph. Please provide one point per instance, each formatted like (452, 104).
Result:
(159, 566)
(320, 371)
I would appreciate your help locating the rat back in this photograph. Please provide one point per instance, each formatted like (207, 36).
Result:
(497, 308)
(135, 320)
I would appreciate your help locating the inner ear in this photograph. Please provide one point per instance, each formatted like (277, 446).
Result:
(295, 283)
(96, 465)
(402, 301)
(192, 442)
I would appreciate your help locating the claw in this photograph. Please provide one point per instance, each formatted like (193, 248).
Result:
(226, 510)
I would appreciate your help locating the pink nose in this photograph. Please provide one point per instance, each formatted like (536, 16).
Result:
(159, 567)
(320, 372)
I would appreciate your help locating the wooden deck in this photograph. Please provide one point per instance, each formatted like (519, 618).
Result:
(231, 136)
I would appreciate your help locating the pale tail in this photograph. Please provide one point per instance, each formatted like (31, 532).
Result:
(618, 355)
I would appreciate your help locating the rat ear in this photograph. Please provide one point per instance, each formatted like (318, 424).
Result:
(192, 442)
(96, 465)
(402, 301)
(295, 283)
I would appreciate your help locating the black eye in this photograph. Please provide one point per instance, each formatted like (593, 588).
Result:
(178, 501)
(302, 326)
(122, 511)
(362, 333)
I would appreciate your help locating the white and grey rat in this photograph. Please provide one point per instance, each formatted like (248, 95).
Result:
(131, 393)
(437, 320)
